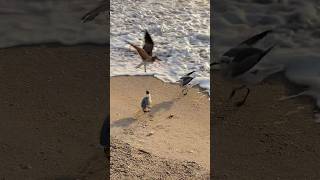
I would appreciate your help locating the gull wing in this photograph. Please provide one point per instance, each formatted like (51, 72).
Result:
(246, 44)
(254, 39)
(186, 80)
(244, 61)
(187, 74)
(140, 51)
(148, 43)
(95, 12)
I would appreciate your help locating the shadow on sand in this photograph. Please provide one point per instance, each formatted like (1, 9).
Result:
(161, 107)
(164, 106)
(125, 122)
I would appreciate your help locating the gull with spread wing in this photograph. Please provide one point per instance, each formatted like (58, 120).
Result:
(146, 52)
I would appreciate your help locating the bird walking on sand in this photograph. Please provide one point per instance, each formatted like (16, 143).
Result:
(238, 61)
(146, 102)
(103, 7)
(184, 81)
(146, 52)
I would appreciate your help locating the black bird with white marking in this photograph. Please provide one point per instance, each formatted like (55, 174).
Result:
(249, 43)
(239, 60)
(185, 80)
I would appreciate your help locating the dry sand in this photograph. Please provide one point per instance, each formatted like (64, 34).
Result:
(131, 163)
(265, 138)
(176, 129)
(52, 107)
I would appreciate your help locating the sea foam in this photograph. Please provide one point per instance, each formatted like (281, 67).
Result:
(181, 35)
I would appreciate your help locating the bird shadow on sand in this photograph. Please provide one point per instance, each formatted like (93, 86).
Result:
(164, 106)
(157, 108)
(124, 122)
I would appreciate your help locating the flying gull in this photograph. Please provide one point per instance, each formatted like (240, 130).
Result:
(146, 52)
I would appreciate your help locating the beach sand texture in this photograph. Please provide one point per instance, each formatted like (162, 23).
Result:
(52, 107)
(266, 138)
(175, 129)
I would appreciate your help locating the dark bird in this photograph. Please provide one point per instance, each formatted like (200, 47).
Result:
(241, 59)
(146, 52)
(184, 81)
(103, 7)
(231, 53)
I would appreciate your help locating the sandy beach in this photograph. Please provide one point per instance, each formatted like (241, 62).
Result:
(52, 108)
(266, 138)
(176, 129)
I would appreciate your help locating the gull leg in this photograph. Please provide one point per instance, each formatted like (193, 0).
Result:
(235, 90)
(145, 68)
(240, 103)
(185, 91)
(139, 65)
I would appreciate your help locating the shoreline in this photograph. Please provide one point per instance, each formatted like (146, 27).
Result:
(200, 89)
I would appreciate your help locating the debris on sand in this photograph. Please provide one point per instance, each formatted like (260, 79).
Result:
(150, 133)
(171, 116)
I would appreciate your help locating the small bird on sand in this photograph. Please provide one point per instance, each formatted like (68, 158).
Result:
(146, 102)
(103, 7)
(184, 81)
(146, 51)
(239, 60)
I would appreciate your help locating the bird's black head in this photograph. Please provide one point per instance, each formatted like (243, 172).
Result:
(147, 92)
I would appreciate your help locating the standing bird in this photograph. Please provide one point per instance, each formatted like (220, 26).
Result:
(146, 51)
(146, 102)
(239, 60)
(103, 7)
(184, 81)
